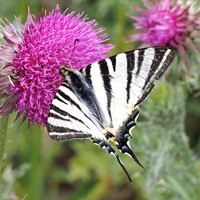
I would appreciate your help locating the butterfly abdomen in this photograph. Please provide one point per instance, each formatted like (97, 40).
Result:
(85, 93)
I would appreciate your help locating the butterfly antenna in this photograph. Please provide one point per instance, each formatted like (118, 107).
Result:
(75, 42)
(110, 150)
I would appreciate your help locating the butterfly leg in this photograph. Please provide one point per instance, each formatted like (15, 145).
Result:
(110, 150)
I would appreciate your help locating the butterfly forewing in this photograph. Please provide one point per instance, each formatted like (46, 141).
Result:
(125, 80)
(100, 102)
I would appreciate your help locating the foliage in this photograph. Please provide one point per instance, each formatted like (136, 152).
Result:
(166, 139)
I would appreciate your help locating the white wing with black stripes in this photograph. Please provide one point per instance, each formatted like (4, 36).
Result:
(100, 102)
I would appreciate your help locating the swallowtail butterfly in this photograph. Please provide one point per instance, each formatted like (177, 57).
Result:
(100, 102)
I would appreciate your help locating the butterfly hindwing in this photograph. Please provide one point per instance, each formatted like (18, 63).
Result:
(100, 101)
(68, 117)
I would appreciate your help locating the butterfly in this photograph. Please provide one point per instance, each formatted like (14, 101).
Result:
(101, 101)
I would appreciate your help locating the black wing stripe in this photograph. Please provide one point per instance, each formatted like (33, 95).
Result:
(139, 61)
(113, 60)
(58, 110)
(145, 94)
(53, 115)
(103, 67)
(60, 129)
(70, 133)
(64, 113)
(59, 99)
(70, 136)
(130, 67)
(166, 63)
(65, 96)
(107, 85)
(155, 64)
(163, 59)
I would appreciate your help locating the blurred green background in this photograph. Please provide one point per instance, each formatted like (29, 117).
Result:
(166, 139)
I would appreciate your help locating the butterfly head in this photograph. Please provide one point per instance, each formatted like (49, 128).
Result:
(64, 71)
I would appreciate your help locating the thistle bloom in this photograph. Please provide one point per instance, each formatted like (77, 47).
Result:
(167, 24)
(30, 59)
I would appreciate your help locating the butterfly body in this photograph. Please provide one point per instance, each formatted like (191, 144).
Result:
(100, 102)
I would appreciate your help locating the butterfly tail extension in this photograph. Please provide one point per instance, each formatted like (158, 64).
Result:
(122, 139)
(125, 149)
(110, 150)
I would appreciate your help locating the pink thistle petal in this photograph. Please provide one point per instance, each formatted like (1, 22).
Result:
(6, 54)
(166, 23)
(11, 36)
(36, 55)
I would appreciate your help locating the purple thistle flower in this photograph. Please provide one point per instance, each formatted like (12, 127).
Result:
(30, 61)
(167, 23)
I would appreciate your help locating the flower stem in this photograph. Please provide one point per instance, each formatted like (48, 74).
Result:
(3, 126)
